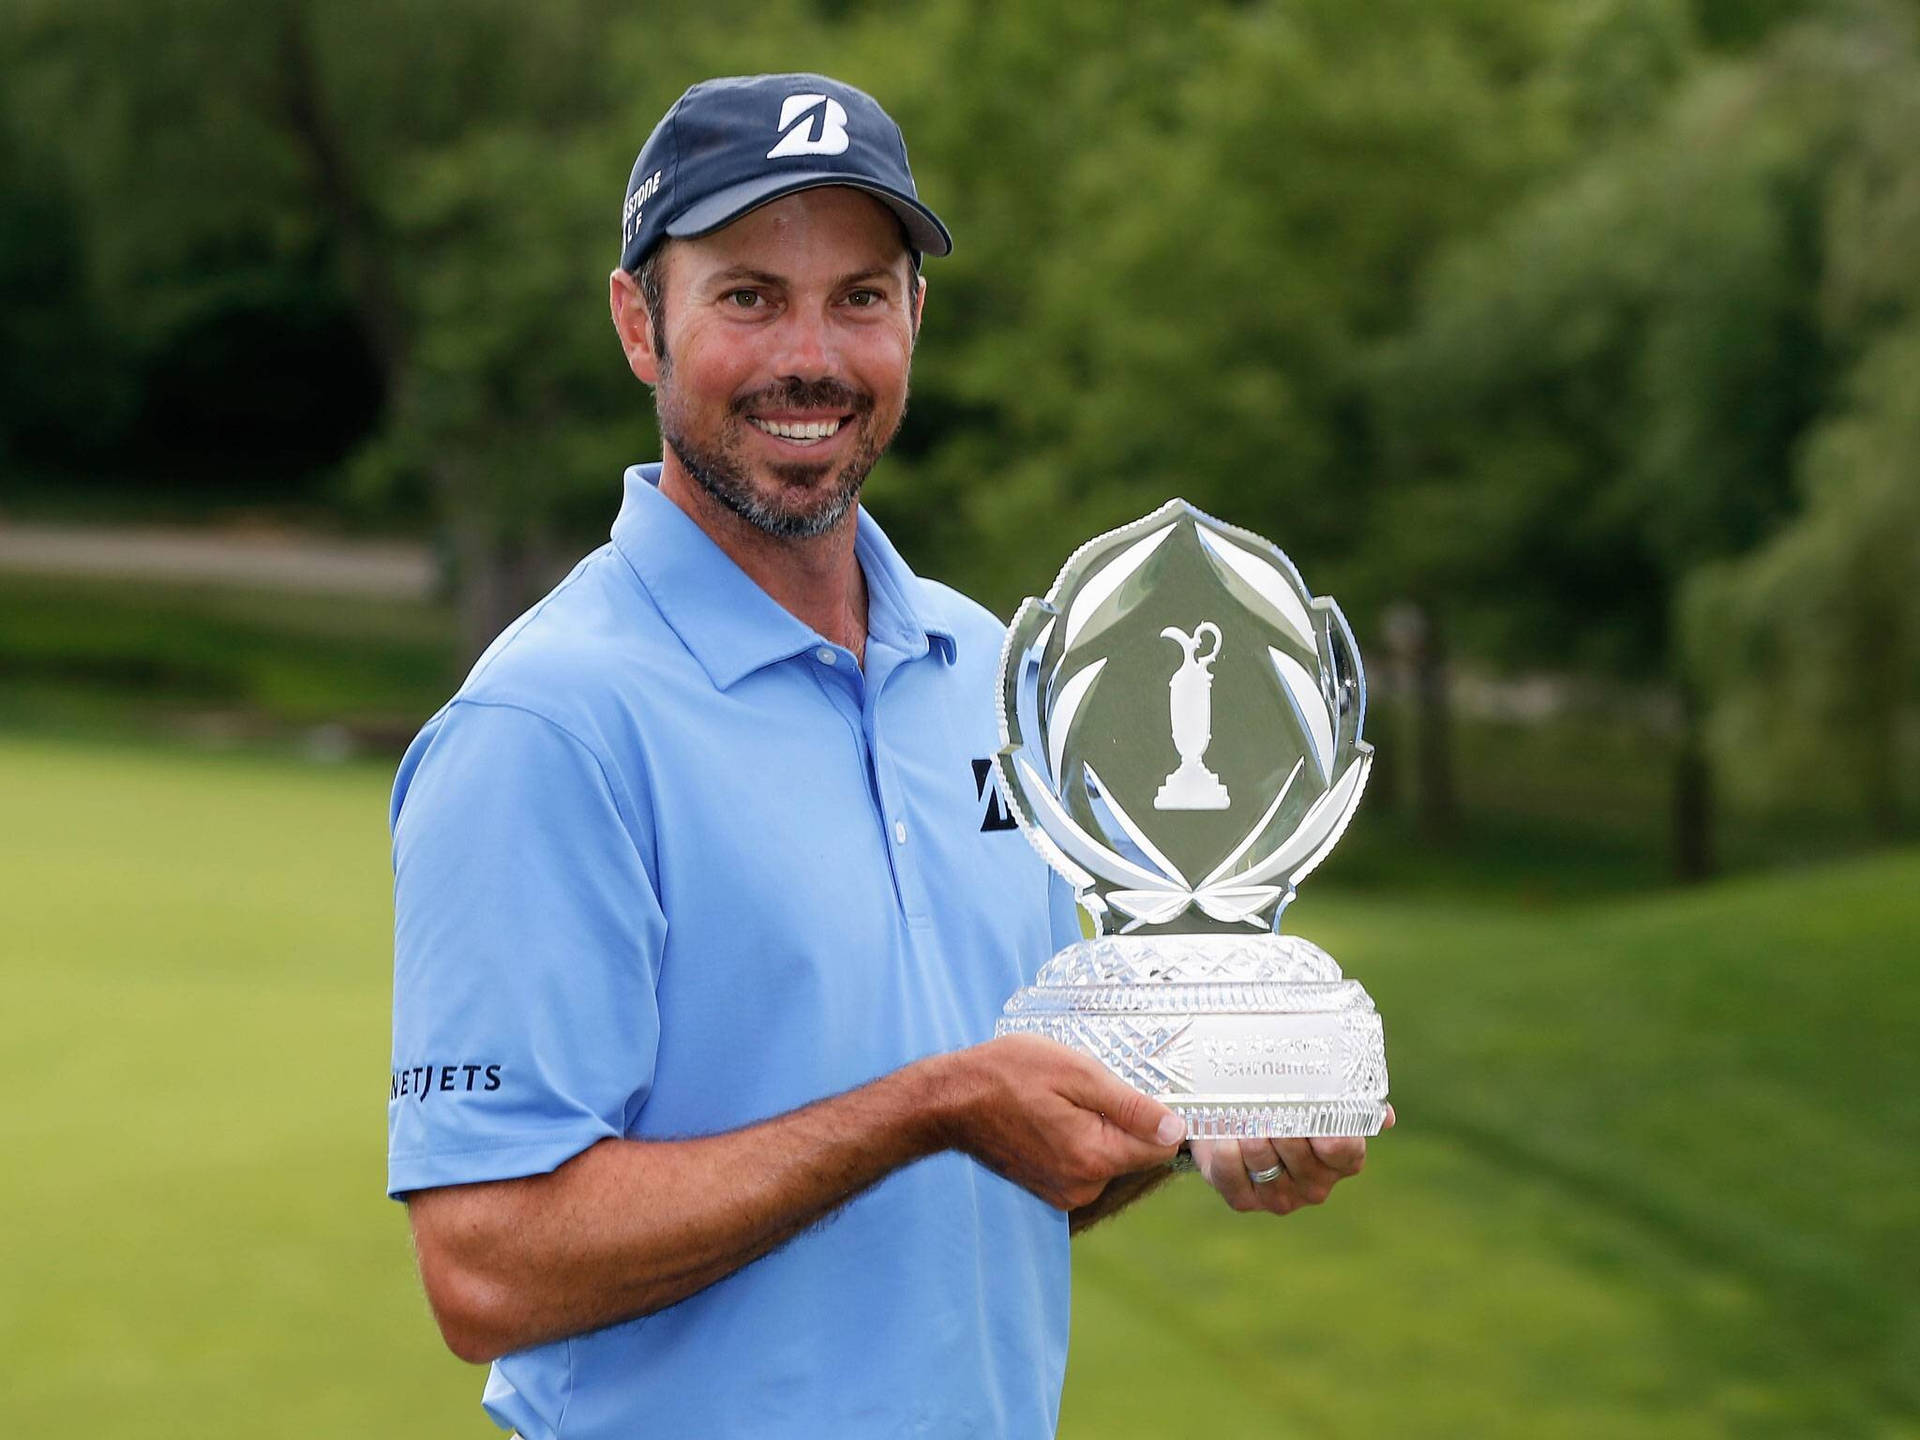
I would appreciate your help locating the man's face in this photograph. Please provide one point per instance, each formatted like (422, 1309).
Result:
(789, 336)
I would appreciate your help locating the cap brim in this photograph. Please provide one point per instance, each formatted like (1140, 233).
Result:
(924, 230)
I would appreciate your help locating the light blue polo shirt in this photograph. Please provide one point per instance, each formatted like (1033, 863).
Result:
(670, 863)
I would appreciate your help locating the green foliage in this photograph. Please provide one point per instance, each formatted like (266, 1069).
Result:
(279, 189)
(1171, 291)
(1641, 372)
(1625, 59)
(1603, 393)
(513, 399)
(47, 395)
(1529, 312)
(1813, 643)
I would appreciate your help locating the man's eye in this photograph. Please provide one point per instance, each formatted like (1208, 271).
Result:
(863, 299)
(744, 299)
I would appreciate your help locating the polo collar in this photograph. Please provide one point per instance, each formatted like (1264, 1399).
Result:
(731, 625)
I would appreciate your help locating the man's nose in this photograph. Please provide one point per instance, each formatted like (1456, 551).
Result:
(808, 349)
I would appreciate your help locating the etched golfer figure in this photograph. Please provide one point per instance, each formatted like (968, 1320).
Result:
(1192, 786)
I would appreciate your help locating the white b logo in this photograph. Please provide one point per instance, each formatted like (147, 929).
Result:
(800, 139)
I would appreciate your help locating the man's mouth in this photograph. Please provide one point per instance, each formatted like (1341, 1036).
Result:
(803, 431)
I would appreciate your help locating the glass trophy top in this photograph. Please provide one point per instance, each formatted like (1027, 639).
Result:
(1180, 726)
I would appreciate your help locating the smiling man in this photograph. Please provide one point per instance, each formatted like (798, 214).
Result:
(833, 402)
(697, 877)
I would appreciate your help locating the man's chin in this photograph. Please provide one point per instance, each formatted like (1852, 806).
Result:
(803, 522)
(802, 475)
(806, 497)
(791, 508)
(788, 499)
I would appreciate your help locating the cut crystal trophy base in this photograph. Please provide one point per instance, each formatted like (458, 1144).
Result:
(1240, 1035)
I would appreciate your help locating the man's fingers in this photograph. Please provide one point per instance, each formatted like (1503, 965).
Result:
(1139, 1132)
(1140, 1115)
(1145, 1118)
(1266, 1168)
(1342, 1154)
(1313, 1178)
(1346, 1154)
(1220, 1163)
(1277, 1192)
(1279, 1175)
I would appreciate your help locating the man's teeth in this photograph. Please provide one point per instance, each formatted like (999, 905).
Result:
(806, 430)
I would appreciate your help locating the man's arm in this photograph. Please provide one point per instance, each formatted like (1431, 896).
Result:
(1121, 1192)
(628, 1227)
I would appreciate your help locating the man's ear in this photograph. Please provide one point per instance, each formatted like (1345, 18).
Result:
(633, 325)
(919, 301)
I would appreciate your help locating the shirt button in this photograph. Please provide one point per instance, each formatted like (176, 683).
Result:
(899, 832)
(825, 655)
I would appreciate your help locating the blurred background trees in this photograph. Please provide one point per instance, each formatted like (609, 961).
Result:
(1582, 337)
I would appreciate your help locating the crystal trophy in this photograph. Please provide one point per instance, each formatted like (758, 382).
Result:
(1180, 738)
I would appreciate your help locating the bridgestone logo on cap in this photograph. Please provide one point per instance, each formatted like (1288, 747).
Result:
(635, 203)
(801, 139)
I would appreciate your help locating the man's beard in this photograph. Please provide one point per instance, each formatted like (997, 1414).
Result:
(720, 471)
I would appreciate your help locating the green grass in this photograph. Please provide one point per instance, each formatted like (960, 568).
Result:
(113, 656)
(1656, 1172)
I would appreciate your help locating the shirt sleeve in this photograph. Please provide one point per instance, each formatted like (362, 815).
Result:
(527, 943)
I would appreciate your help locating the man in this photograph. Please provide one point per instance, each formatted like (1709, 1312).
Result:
(699, 934)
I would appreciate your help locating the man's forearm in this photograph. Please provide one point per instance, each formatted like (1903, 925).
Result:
(1120, 1193)
(629, 1227)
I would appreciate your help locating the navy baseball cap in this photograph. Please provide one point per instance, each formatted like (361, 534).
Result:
(730, 145)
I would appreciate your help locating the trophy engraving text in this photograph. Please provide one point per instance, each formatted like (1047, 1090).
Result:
(1293, 1055)
(1269, 1057)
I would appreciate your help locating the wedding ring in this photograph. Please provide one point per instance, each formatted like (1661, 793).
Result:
(1261, 1177)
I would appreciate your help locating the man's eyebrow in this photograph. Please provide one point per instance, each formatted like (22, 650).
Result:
(746, 272)
(735, 273)
(874, 272)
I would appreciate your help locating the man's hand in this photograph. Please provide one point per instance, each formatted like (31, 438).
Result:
(1309, 1169)
(1054, 1121)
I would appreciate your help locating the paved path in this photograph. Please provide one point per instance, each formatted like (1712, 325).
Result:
(389, 569)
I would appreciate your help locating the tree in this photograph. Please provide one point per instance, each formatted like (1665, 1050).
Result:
(54, 394)
(424, 169)
(1215, 218)
(1211, 215)
(1606, 393)
(1810, 647)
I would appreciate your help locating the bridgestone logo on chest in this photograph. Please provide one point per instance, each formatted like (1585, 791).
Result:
(986, 786)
